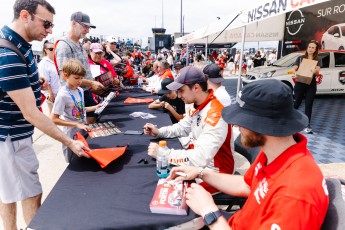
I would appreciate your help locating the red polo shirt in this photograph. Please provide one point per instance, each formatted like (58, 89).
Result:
(289, 193)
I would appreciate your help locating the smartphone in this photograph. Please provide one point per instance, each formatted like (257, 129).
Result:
(134, 132)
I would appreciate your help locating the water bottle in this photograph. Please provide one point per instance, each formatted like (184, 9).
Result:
(140, 81)
(163, 160)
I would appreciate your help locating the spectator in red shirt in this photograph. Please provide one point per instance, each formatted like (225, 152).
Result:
(164, 70)
(285, 188)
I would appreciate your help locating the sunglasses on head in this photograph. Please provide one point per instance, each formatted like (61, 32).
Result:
(50, 49)
(46, 24)
(314, 41)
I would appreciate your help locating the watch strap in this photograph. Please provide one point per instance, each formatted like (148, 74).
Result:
(212, 217)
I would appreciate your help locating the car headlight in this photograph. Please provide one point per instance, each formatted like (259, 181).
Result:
(267, 75)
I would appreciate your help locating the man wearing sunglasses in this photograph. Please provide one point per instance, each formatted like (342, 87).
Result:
(69, 47)
(20, 85)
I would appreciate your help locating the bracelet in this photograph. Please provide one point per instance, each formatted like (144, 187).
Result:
(201, 173)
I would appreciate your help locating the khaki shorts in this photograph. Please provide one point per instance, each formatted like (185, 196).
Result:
(18, 171)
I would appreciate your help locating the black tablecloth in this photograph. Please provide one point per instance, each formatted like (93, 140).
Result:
(117, 197)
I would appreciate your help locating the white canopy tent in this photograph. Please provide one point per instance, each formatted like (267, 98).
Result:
(263, 23)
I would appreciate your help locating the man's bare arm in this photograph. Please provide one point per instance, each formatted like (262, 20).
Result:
(25, 100)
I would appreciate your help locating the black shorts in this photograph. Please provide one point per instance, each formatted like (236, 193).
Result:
(89, 101)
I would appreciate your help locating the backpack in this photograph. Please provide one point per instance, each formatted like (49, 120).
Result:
(4, 43)
(55, 45)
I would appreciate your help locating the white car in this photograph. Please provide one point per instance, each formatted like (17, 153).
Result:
(331, 79)
(334, 37)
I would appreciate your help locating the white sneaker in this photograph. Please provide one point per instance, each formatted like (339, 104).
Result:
(308, 130)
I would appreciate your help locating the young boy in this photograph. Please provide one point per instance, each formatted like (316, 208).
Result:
(169, 102)
(69, 103)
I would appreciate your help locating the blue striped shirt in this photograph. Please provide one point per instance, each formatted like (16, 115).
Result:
(14, 75)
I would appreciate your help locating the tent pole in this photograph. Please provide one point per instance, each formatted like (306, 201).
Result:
(239, 81)
(187, 51)
(206, 48)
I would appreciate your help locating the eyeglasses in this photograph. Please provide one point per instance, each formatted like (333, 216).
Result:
(98, 53)
(112, 43)
(50, 49)
(46, 24)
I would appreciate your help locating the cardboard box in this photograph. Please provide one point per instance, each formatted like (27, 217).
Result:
(304, 73)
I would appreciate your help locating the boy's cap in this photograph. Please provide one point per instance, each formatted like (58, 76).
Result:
(164, 84)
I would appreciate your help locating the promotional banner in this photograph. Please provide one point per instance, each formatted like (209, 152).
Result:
(274, 7)
(324, 22)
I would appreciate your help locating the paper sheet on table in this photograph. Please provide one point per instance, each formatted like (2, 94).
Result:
(142, 115)
(95, 70)
(102, 156)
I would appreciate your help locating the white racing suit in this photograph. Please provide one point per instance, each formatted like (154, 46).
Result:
(211, 140)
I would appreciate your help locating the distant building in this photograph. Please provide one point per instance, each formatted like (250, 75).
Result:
(159, 40)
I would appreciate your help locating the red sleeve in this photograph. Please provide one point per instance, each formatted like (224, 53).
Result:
(288, 213)
(109, 68)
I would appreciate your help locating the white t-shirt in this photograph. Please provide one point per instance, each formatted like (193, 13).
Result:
(222, 96)
(65, 106)
(46, 68)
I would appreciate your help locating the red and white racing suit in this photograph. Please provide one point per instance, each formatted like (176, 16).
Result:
(211, 139)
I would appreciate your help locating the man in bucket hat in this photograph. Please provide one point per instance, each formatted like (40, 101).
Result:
(211, 135)
(284, 187)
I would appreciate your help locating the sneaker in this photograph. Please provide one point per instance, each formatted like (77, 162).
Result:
(308, 130)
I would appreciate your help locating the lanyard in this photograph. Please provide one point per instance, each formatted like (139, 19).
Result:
(80, 109)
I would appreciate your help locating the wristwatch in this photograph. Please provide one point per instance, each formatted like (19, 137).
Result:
(212, 217)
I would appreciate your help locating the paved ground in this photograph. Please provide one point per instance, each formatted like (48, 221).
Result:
(327, 144)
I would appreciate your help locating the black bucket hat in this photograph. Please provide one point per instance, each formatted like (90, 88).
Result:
(266, 107)
(164, 84)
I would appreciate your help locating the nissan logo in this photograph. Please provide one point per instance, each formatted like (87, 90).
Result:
(294, 22)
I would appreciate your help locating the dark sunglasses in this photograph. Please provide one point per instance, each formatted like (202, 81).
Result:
(46, 24)
(50, 49)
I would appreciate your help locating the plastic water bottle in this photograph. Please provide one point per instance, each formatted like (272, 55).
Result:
(163, 169)
(140, 82)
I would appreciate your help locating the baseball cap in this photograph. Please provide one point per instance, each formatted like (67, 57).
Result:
(188, 76)
(212, 72)
(111, 40)
(82, 18)
(178, 64)
(164, 84)
(96, 47)
(266, 107)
